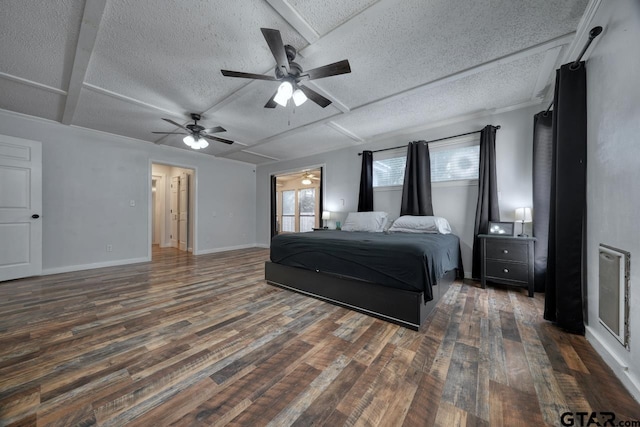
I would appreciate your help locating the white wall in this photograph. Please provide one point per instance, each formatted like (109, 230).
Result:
(613, 171)
(457, 204)
(89, 179)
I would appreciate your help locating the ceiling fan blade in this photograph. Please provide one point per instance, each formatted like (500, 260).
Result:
(176, 124)
(171, 133)
(216, 129)
(315, 96)
(271, 103)
(274, 40)
(215, 138)
(337, 68)
(240, 74)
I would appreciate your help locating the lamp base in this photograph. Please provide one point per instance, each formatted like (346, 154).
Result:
(523, 235)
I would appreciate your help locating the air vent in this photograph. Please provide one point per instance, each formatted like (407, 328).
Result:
(613, 291)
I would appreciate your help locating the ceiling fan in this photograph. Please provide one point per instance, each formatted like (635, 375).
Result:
(291, 74)
(308, 177)
(196, 135)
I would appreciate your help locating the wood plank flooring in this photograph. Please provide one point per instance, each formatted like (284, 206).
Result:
(191, 341)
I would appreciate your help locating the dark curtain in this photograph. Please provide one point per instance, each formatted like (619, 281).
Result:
(563, 293)
(542, 150)
(365, 198)
(416, 190)
(274, 219)
(487, 208)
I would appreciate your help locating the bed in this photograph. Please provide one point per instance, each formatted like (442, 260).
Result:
(395, 276)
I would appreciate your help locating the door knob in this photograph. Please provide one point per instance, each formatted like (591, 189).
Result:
(35, 216)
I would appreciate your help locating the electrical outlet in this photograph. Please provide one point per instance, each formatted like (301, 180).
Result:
(132, 203)
(109, 248)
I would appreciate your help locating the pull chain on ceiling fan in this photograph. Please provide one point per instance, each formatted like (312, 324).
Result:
(291, 74)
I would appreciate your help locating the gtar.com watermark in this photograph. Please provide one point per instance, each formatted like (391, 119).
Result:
(595, 419)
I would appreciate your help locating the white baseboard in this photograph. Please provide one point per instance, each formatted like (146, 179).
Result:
(262, 245)
(619, 367)
(226, 248)
(79, 267)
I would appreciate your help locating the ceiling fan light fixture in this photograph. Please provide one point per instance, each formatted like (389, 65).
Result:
(286, 89)
(306, 181)
(281, 99)
(189, 140)
(299, 97)
(200, 143)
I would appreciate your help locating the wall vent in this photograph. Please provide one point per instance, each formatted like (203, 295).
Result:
(613, 290)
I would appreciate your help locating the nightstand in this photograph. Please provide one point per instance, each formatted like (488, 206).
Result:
(507, 260)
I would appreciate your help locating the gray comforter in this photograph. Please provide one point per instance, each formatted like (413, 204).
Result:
(410, 261)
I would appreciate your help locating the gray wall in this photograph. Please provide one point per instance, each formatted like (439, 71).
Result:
(456, 203)
(90, 177)
(613, 171)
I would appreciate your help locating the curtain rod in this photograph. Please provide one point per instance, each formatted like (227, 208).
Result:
(433, 140)
(595, 32)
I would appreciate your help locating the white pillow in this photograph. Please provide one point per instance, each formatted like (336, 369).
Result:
(421, 224)
(365, 221)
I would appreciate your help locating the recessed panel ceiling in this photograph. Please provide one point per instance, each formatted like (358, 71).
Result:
(507, 85)
(167, 55)
(30, 100)
(247, 112)
(315, 140)
(39, 39)
(155, 59)
(397, 45)
(108, 114)
(326, 15)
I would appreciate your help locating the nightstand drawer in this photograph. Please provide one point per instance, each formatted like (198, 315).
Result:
(507, 270)
(507, 250)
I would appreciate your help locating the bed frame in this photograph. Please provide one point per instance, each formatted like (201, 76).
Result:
(400, 306)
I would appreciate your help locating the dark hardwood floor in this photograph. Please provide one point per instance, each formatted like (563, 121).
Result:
(203, 340)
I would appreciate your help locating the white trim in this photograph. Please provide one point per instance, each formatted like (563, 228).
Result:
(346, 132)
(90, 24)
(93, 265)
(619, 367)
(120, 97)
(31, 83)
(262, 245)
(227, 248)
(295, 20)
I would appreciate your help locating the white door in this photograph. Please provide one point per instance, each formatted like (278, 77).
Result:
(183, 212)
(173, 200)
(20, 208)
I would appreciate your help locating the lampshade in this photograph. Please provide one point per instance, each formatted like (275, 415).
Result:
(299, 97)
(523, 215)
(326, 215)
(189, 140)
(200, 143)
(281, 99)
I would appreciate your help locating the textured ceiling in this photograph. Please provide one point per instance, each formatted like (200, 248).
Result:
(119, 66)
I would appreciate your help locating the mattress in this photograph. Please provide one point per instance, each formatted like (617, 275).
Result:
(410, 261)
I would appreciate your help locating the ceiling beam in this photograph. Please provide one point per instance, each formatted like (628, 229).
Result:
(523, 53)
(31, 83)
(295, 20)
(545, 72)
(93, 11)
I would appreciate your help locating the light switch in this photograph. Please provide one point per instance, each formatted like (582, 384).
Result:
(132, 203)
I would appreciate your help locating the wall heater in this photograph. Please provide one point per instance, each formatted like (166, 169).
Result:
(613, 289)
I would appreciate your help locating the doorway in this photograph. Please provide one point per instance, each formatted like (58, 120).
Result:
(173, 207)
(296, 201)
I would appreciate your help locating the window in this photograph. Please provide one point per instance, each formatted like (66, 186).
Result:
(450, 161)
(289, 211)
(307, 208)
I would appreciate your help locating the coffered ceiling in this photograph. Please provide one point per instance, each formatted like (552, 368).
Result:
(119, 66)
